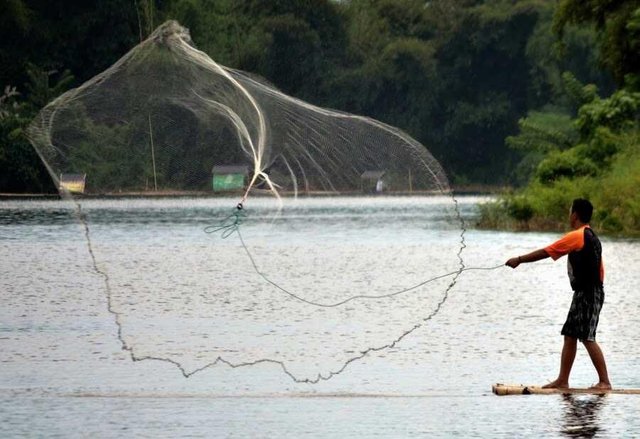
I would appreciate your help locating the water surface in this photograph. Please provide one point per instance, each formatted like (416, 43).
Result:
(191, 297)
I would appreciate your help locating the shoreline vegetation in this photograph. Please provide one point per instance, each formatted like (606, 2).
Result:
(611, 183)
(458, 191)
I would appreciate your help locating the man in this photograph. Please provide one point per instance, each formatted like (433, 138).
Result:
(586, 274)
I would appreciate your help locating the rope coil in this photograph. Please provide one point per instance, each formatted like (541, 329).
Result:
(229, 225)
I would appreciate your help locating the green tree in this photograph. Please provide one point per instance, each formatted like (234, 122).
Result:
(618, 112)
(22, 170)
(82, 37)
(15, 24)
(618, 26)
(483, 88)
(296, 45)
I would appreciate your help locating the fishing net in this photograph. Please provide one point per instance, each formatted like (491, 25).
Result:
(167, 145)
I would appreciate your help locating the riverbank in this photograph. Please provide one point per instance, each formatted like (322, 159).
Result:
(6, 196)
(207, 194)
(532, 212)
(471, 189)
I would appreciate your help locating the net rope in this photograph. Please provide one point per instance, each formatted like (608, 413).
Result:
(231, 224)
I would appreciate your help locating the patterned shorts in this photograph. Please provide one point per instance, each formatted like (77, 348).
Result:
(582, 320)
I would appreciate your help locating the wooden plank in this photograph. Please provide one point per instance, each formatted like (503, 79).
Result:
(519, 389)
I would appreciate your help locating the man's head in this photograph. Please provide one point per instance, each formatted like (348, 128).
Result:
(581, 210)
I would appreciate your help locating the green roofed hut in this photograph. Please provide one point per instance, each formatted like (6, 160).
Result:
(372, 181)
(229, 177)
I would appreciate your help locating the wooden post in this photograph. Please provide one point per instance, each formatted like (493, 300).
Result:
(153, 156)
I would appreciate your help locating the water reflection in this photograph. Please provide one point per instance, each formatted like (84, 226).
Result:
(581, 415)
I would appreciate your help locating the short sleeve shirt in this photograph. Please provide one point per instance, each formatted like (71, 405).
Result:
(572, 241)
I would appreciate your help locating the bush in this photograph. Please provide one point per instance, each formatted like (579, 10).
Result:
(613, 191)
(519, 208)
(565, 164)
(493, 215)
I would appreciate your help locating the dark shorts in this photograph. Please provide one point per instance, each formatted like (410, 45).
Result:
(582, 320)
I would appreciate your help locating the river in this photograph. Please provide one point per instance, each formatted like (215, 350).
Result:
(268, 332)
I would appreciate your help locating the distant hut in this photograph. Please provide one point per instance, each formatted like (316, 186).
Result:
(372, 181)
(229, 177)
(74, 183)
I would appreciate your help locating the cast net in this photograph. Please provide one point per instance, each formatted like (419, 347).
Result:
(163, 145)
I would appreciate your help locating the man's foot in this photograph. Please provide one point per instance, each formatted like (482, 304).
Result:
(601, 386)
(556, 385)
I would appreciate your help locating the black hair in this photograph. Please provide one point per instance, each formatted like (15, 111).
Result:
(583, 208)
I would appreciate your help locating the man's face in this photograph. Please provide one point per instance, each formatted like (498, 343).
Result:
(573, 218)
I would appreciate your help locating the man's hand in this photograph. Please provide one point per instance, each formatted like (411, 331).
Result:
(529, 257)
(513, 262)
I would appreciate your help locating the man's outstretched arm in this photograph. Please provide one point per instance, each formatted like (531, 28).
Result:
(529, 257)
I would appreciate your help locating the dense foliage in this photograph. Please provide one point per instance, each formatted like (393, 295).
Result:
(457, 75)
(589, 149)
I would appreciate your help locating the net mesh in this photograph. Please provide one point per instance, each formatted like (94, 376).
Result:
(168, 120)
(165, 114)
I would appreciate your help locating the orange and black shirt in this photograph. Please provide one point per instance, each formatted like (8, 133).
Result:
(584, 265)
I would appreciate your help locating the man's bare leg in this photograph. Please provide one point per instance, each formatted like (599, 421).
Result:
(566, 363)
(597, 358)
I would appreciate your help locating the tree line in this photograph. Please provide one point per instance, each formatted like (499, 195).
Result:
(588, 146)
(473, 80)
